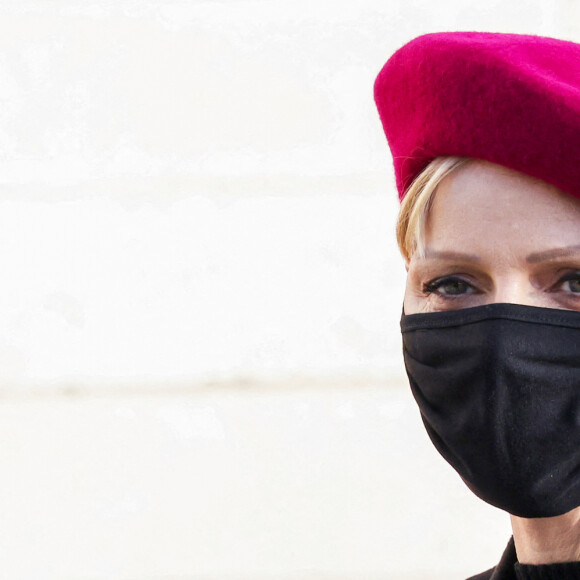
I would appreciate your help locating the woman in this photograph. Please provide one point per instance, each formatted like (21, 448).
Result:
(485, 135)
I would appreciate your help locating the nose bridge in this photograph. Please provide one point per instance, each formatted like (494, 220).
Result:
(514, 288)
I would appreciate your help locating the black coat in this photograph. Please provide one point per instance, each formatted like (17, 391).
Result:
(509, 569)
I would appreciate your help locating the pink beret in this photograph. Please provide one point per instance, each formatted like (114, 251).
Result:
(510, 99)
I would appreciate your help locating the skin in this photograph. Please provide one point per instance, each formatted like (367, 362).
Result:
(496, 235)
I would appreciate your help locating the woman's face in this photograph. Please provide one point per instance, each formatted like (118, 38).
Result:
(496, 235)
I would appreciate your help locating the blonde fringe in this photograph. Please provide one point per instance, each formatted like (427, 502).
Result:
(417, 202)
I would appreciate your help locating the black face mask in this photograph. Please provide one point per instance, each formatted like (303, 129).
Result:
(498, 387)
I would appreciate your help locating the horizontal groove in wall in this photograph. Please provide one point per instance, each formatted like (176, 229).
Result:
(139, 388)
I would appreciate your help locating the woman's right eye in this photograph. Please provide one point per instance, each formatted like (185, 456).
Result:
(450, 286)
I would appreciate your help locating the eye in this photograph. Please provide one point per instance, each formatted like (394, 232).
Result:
(570, 282)
(451, 286)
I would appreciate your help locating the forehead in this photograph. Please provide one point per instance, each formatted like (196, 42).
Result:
(489, 206)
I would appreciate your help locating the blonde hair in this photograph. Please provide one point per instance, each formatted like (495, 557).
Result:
(417, 202)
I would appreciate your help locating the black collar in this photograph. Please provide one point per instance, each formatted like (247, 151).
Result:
(505, 569)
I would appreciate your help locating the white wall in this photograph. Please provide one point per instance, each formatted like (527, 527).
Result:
(200, 372)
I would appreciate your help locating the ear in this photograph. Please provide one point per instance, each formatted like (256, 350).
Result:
(407, 266)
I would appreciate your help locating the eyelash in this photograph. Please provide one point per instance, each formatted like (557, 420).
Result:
(568, 277)
(433, 286)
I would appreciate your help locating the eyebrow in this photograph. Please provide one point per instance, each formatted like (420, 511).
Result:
(447, 255)
(552, 254)
(533, 258)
